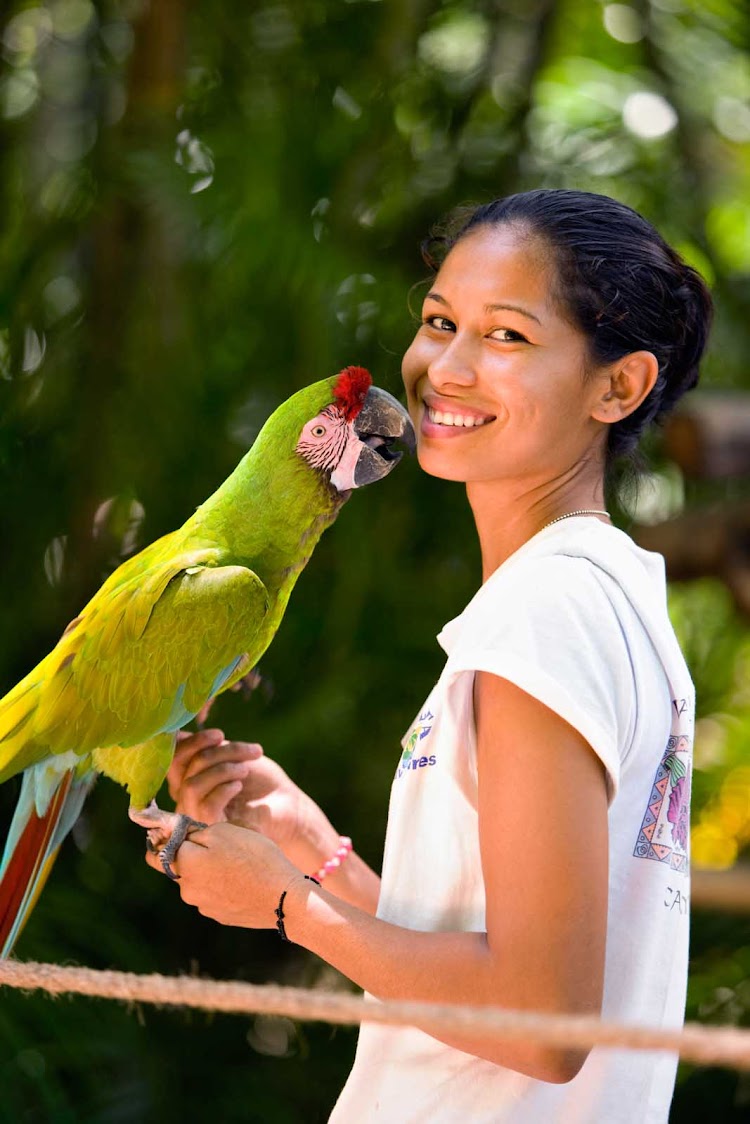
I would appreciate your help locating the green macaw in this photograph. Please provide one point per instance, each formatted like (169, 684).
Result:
(185, 618)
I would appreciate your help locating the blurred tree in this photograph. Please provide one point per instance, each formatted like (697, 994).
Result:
(206, 206)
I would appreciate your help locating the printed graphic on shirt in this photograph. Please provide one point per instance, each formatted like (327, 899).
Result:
(413, 756)
(664, 831)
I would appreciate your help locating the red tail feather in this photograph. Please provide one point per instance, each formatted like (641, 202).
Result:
(25, 873)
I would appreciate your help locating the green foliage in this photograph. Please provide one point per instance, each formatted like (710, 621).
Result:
(205, 207)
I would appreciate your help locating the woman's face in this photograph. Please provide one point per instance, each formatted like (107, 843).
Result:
(495, 375)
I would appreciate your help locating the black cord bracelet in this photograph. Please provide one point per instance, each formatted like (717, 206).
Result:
(279, 911)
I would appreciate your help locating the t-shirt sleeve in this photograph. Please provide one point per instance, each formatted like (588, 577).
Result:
(554, 631)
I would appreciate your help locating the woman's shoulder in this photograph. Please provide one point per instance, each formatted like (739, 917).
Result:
(593, 565)
(556, 597)
(544, 581)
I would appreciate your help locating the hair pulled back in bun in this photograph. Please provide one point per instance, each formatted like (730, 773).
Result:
(618, 281)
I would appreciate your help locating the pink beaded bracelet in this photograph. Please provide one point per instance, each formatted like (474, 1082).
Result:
(345, 849)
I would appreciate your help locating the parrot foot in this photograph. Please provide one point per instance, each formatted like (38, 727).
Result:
(165, 834)
(180, 833)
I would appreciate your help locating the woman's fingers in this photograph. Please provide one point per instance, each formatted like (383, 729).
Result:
(208, 757)
(205, 795)
(195, 752)
(211, 806)
(188, 745)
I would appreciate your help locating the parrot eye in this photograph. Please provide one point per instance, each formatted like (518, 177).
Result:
(318, 431)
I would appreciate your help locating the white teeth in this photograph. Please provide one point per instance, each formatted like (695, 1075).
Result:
(467, 421)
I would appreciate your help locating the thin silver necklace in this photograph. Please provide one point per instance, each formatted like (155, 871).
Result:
(581, 511)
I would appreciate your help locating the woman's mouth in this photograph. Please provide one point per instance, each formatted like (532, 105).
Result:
(450, 423)
(467, 421)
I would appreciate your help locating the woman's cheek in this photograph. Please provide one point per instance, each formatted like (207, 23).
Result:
(415, 362)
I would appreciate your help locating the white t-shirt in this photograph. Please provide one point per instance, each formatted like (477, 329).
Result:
(577, 618)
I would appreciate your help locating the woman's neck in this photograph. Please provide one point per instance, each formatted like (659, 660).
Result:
(508, 515)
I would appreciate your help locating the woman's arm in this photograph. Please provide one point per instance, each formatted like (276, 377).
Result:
(543, 835)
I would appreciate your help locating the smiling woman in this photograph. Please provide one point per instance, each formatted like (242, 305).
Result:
(495, 345)
(537, 827)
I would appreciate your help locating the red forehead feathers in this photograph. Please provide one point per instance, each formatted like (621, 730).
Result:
(350, 389)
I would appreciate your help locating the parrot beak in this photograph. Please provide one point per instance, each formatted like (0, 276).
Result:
(381, 421)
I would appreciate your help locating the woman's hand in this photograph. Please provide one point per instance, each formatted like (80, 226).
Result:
(214, 780)
(232, 875)
(207, 772)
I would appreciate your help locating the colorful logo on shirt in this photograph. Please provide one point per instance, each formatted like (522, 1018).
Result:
(664, 833)
(412, 757)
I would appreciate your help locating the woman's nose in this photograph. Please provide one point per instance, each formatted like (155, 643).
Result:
(454, 365)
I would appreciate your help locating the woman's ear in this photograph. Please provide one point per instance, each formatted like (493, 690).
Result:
(625, 384)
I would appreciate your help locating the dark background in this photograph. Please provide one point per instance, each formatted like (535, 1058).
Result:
(204, 207)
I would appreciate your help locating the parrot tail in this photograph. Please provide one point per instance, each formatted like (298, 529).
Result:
(51, 798)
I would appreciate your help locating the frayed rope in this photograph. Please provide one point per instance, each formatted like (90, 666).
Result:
(702, 1045)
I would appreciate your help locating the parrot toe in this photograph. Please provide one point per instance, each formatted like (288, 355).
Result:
(165, 834)
(168, 852)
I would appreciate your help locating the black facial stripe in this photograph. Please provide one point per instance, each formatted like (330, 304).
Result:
(327, 453)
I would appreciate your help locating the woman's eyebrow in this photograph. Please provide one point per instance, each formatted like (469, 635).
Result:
(512, 308)
(435, 296)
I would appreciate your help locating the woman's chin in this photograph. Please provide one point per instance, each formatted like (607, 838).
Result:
(436, 463)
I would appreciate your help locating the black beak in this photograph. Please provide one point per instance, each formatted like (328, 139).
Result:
(381, 421)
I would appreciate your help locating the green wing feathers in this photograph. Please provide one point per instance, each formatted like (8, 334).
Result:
(141, 659)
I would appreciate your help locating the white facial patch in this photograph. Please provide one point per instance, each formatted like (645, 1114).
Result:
(342, 477)
(323, 439)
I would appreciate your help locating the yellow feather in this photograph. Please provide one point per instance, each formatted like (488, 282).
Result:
(52, 708)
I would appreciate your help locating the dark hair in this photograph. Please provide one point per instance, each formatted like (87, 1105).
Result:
(619, 282)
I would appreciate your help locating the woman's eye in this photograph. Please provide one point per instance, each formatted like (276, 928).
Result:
(442, 323)
(507, 335)
(318, 431)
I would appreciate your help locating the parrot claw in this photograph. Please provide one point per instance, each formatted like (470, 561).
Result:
(168, 853)
(173, 827)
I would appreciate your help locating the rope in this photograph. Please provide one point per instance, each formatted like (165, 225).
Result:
(702, 1045)
(727, 891)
